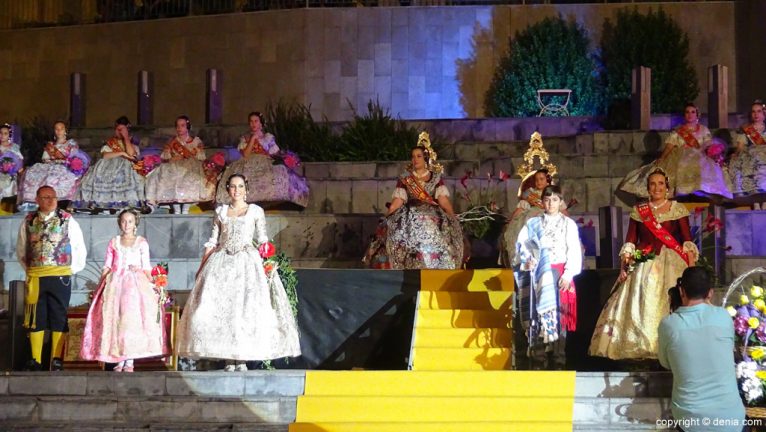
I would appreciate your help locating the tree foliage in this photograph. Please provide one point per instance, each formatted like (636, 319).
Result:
(653, 40)
(552, 54)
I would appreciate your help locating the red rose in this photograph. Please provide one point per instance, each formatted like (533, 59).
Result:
(267, 250)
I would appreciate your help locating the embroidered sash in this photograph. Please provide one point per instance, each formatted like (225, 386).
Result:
(647, 217)
(54, 152)
(753, 134)
(689, 139)
(258, 147)
(176, 147)
(416, 190)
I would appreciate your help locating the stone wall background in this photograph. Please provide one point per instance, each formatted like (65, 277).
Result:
(421, 62)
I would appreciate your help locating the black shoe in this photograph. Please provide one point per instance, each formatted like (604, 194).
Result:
(33, 366)
(57, 364)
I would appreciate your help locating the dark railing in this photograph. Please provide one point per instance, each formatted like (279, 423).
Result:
(25, 14)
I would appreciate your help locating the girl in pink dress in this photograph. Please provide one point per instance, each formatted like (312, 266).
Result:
(123, 322)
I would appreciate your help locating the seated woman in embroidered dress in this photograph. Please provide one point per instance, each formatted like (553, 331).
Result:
(269, 183)
(8, 185)
(747, 166)
(657, 249)
(181, 179)
(52, 171)
(113, 183)
(693, 161)
(548, 247)
(420, 230)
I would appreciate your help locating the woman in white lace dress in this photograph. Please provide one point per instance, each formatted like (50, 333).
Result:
(235, 311)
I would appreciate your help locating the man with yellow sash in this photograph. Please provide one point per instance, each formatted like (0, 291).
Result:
(51, 248)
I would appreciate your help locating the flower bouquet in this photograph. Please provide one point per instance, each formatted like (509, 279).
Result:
(147, 164)
(289, 159)
(717, 152)
(160, 282)
(213, 166)
(639, 256)
(483, 209)
(10, 163)
(78, 162)
(277, 265)
(749, 316)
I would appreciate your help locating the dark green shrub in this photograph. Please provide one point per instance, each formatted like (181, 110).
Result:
(653, 40)
(551, 54)
(295, 129)
(375, 135)
(35, 134)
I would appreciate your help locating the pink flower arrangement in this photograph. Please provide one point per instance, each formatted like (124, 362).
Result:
(10, 163)
(717, 152)
(148, 163)
(78, 162)
(213, 166)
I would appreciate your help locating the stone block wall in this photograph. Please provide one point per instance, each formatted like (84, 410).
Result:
(420, 62)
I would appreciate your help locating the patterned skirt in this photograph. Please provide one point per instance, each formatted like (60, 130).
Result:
(47, 174)
(424, 237)
(111, 183)
(181, 181)
(265, 182)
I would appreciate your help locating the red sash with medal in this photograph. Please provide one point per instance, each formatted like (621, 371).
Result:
(176, 147)
(753, 134)
(416, 190)
(647, 217)
(689, 139)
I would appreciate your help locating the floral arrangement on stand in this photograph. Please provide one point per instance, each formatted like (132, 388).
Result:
(213, 166)
(483, 209)
(159, 275)
(147, 164)
(278, 265)
(78, 162)
(10, 163)
(749, 316)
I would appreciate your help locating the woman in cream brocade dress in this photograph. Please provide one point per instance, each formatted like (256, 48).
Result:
(628, 324)
(235, 311)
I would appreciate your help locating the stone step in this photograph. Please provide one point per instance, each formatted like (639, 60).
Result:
(252, 384)
(134, 426)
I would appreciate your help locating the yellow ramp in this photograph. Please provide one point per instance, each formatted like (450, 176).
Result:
(488, 300)
(476, 337)
(466, 280)
(388, 401)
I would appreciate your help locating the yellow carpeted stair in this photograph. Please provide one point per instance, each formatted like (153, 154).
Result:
(431, 401)
(463, 320)
(460, 382)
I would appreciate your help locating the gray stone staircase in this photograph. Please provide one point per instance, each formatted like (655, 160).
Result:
(167, 401)
(261, 401)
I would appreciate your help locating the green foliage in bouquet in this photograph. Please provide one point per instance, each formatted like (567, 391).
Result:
(552, 54)
(289, 280)
(653, 40)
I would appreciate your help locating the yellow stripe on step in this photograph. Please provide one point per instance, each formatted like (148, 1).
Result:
(495, 300)
(463, 337)
(433, 427)
(434, 359)
(466, 280)
(463, 318)
(523, 384)
(332, 409)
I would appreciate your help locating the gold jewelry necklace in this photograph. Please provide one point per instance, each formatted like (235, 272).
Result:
(655, 207)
